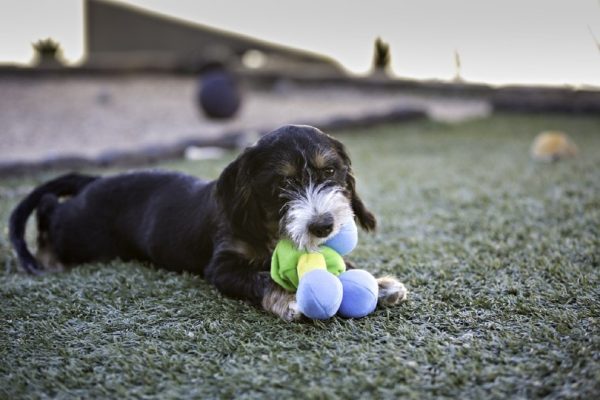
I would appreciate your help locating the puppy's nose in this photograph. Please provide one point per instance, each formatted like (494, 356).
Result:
(322, 225)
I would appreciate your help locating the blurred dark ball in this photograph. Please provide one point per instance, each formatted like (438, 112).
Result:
(219, 95)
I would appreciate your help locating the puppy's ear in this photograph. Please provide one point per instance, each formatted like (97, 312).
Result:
(234, 190)
(365, 218)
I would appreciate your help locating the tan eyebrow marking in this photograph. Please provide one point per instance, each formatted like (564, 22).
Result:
(323, 158)
(286, 168)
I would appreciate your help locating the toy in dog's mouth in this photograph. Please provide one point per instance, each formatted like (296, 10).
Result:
(314, 215)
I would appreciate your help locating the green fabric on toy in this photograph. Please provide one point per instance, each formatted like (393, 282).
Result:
(320, 294)
(289, 263)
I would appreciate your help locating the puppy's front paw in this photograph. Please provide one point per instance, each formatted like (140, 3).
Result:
(292, 313)
(282, 304)
(391, 291)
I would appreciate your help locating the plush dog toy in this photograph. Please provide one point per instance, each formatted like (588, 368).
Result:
(322, 284)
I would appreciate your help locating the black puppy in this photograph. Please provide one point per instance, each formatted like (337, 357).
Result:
(296, 182)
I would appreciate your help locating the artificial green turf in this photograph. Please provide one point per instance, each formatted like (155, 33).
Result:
(500, 255)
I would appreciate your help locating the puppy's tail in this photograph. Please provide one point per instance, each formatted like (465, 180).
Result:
(65, 185)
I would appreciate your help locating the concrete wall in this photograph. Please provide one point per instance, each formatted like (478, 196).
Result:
(123, 36)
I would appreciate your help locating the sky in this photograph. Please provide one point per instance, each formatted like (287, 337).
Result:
(498, 41)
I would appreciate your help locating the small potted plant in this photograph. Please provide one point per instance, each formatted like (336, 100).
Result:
(47, 53)
(381, 58)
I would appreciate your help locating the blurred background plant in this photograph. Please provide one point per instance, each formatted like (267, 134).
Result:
(594, 38)
(381, 58)
(457, 67)
(48, 53)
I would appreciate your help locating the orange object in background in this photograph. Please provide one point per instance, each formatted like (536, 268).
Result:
(552, 146)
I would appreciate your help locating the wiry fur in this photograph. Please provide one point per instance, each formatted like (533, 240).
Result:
(225, 229)
(309, 203)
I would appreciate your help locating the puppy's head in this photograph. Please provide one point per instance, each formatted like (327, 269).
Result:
(296, 182)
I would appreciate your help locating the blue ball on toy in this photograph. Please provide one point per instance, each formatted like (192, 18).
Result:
(319, 294)
(345, 240)
(360, 291)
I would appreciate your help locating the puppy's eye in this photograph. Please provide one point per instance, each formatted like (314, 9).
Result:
(328, 172)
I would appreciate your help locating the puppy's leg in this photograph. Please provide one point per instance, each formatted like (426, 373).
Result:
(235, 277)
(45, 253)
(281, 303)
(391, 291)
